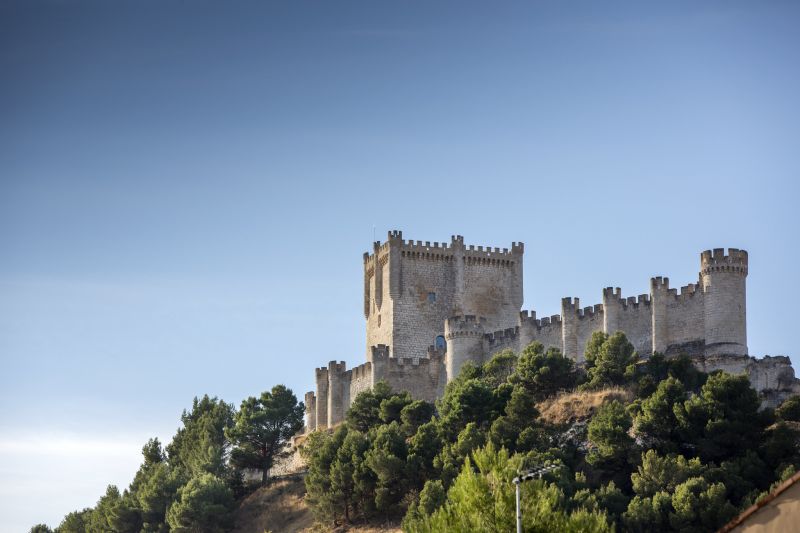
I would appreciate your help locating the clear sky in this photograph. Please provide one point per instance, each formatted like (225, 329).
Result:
(186, 188)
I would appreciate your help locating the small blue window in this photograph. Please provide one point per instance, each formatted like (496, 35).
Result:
(441, 344)
(431, 297)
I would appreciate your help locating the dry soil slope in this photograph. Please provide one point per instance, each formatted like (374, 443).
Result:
(281, 508)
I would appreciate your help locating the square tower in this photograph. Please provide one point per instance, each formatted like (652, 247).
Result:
(412, 287)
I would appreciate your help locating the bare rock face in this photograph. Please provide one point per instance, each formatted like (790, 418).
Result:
(771, 376)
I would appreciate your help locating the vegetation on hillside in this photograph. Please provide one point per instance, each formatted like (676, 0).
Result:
(649, 445)
(193, 483)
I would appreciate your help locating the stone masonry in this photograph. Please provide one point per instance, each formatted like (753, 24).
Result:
(431, 307)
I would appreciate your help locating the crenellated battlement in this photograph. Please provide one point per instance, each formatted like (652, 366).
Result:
(441, 251)
(409, 361)
(361, 371)
(590, 312)
(573, 306)
(336, 368)
(309, 399)
(717, 260)
(614, 294)
(503, 336)
(686, 292)
(416, 290)
(464, 326)
(529, 318)
(659, 283)
(380, 351)
(660, 286)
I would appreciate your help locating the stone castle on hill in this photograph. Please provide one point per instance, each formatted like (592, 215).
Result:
(431, 307)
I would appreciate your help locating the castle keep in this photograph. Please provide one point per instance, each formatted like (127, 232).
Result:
(431, 307)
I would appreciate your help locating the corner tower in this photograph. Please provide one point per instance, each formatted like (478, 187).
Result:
(412, 287)
(723, 280)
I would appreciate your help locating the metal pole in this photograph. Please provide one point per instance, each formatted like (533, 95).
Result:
(519, 511)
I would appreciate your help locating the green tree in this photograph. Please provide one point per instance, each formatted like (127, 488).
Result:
(75, 522)
(608, 433)
(722, 421)
(40, 528)
(648, 514)
(392, 407)
(465, 402)
(432, 496)
(700, 506)
(497, 369)
(781, 446)
(204, 505)
(656, 424)
(423, 447)
(365, 410)
(742, 476)
(319, 451)
(416, 414)
(262, 428)
(609, 360)
(789, 410)
(542, 373)
(607, 499)
(451, 458)
(482, 499)
(509, 430)
(155, 494)
(663, 473)
(387, 458)
(339, 483)
(200, 445)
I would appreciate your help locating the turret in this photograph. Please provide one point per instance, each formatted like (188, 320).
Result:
(659, 292)
(311, 412)
(723, 279)
(336, 406)
(612, 309)
(321, 414)
(464, 335)
(569, 327)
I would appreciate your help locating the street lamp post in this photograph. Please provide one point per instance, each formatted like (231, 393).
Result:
(534, 473)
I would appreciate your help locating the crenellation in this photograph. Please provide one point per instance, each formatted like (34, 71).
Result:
(432, 307)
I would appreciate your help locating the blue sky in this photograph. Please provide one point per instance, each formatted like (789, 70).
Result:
(186, 188)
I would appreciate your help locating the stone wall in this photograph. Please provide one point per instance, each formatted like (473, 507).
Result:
(432, 307)
(685, 317)
(546, 330)
(412, 287)
(631, 315)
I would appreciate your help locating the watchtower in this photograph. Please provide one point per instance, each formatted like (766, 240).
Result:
(412, 287)
(723, 279)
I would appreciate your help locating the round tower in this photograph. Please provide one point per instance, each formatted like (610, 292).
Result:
(464, 335)
(336, 407)
(321, 403)
(311, 412)
(724, 306)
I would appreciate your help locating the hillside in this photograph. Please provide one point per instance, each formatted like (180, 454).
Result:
(280, 507)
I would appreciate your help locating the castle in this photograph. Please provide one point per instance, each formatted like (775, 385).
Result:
(431, 307)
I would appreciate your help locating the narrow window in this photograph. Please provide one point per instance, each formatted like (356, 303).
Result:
(379, 320)
(441, 344)
(431, 297)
